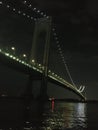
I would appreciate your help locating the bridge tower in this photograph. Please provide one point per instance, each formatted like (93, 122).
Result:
(41, 38)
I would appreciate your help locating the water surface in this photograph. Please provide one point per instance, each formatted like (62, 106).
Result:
(17, 114)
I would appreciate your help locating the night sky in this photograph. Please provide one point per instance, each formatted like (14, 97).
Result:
(76, 24)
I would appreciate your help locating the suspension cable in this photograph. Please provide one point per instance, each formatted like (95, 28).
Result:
(62, 57)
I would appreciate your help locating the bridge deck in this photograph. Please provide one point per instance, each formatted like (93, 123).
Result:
(36, 71)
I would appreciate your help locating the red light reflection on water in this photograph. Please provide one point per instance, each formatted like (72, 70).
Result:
(52, 104)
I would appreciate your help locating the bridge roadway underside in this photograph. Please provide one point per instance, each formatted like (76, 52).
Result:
(29, 71)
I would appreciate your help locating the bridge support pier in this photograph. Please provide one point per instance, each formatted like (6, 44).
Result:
(43, 96)
(28, 92)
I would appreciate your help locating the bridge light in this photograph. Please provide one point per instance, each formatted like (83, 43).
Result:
(43, 67)
(52, 73)
(45, 15)
(14, 57)
(49, 71)
(22, 62)
(31, 17)
(39, 64)
(0, 2)
(56, 75)
(58, 45)
(38, 11)
(54, 34)
(42, 13)
(30, 66)
(56, 38)
(19, 12)
(33, 61)
(53, 29)
(30, 5)
(7, 6)
(34, 9)
(7, 54)
(24, 55)
(13, 48)
(25, 2)
(57, 42)
(28, 16)
(11, 56)
(59, 49)
(14, 9)
(24, 14)
(17, 59)
(60, 78)
(35, 19)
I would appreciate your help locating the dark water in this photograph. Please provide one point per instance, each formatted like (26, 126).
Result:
(15, 114)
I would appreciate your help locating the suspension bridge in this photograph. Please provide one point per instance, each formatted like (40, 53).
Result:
(39, 71)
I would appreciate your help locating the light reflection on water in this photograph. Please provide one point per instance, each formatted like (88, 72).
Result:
(66, 116)
(43, 116)
(62, 117)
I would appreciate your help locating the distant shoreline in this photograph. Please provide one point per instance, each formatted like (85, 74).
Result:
(75, 100)
(55, 99)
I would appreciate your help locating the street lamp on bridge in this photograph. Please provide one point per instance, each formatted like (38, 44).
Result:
(13, 48)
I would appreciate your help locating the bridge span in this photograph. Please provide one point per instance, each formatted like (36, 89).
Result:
(36, 71)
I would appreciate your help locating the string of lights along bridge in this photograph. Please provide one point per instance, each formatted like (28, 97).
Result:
(35, 66)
